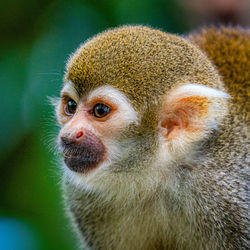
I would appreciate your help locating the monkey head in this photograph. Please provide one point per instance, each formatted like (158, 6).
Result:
(136, 100)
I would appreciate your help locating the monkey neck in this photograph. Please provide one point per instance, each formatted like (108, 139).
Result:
(134, 207)
(137, 213)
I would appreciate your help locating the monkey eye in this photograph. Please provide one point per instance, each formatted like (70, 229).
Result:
(100, 110)
(70, 107)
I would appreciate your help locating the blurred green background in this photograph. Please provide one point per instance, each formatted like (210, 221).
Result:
(36, 39)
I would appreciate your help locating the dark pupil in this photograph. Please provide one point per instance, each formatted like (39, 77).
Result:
(72, 106)
(100, 110)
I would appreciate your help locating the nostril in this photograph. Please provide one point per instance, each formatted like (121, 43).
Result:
(79, 134)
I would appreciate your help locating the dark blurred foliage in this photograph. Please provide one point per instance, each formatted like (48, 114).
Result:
(36, 39)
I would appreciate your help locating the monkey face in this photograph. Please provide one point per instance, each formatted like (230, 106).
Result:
(135, 98)
(91, 122)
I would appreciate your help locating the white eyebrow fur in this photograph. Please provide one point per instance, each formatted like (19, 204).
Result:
(70, 90)
(118, 98)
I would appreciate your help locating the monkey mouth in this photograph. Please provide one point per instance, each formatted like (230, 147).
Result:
(82, 163)
(82, 157)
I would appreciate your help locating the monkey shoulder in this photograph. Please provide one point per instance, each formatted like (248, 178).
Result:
(229, 50)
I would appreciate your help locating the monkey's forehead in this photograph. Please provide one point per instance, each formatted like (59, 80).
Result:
(137, 60)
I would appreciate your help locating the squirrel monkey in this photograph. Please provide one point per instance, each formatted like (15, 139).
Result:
(154, 139)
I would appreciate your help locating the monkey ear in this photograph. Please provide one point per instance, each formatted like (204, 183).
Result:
(190, 112)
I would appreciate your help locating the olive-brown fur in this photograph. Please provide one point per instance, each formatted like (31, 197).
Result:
(229, 50)
(199, 204)
(140, 61)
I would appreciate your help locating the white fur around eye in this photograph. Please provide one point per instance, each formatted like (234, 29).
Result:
(69, 90)
(113, 95)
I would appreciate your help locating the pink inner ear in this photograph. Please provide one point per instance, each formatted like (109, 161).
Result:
(173, 128)
(185, 114)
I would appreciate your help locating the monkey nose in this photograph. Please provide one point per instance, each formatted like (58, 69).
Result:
(79, 135)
